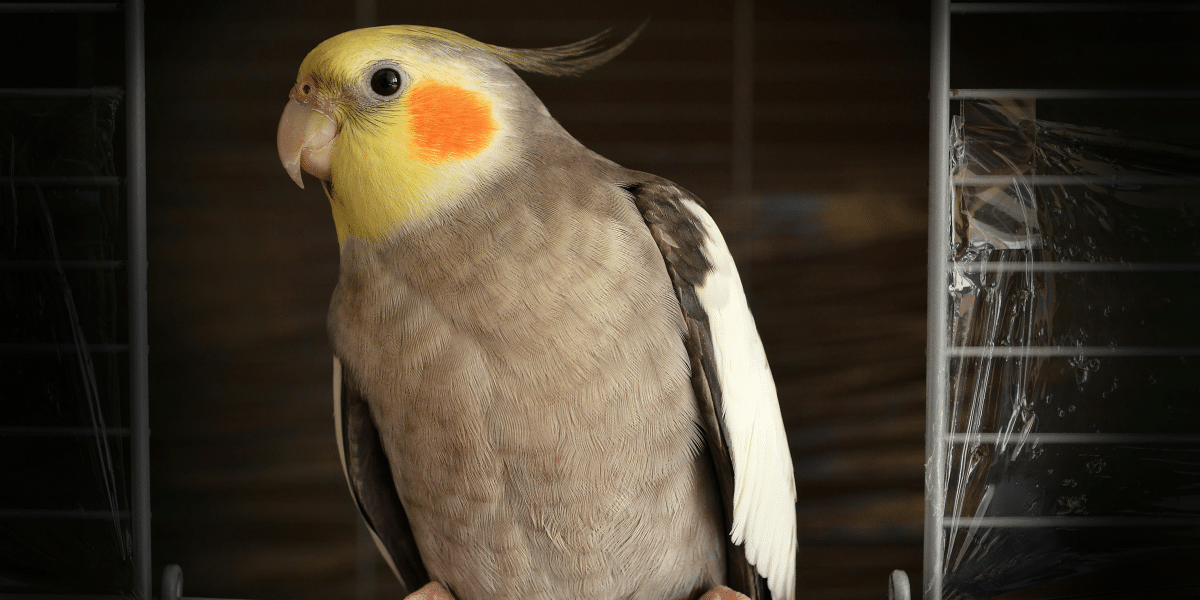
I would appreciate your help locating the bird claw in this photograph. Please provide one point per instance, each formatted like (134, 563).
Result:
(723, 593)
(432, 591)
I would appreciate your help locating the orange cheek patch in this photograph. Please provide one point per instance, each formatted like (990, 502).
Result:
(448, 122)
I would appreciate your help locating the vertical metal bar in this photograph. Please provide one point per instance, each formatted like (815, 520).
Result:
(139, 393)
(937, 368)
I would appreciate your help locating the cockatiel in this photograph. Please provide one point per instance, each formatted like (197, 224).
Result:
(547, 383)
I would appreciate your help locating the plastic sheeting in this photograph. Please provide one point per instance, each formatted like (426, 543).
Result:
(1074, 374)
(64, 447)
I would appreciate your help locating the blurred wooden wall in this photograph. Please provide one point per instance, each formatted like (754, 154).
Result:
(248, 494)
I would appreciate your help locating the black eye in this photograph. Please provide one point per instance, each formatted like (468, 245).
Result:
(385, 82)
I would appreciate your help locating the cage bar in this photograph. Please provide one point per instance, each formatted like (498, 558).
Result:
(937, 369)
(1073, 267)
(1049, 351)
(1073, 94)
(133, 92)
(1044, 522)
(1073, 438)
(976, 8)
(135, 73)
(942, 267)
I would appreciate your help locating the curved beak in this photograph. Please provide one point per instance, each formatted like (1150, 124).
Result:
(306, 139)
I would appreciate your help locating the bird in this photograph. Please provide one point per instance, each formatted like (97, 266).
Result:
(547, 380)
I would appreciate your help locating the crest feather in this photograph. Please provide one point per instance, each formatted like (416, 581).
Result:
(569, 59)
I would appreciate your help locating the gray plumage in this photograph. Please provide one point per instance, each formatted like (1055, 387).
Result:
(537, 401)
(529, 398)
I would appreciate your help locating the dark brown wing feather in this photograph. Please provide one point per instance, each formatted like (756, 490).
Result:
(374, 490)
(680, 238)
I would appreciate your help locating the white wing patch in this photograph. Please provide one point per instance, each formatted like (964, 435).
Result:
(764, 497)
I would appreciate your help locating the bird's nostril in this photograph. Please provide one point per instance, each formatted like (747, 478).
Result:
(305, 89)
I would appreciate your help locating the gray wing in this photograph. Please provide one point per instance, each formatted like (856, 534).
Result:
(680, 238)
(370, 478)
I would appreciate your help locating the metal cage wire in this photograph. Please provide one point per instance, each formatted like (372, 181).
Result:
(942, 268)
(135, 267)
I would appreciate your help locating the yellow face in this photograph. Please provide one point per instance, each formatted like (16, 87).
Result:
(394, 126)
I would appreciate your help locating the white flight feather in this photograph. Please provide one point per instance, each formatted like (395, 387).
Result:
(764, 497)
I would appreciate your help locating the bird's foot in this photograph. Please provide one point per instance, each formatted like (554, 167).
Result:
(432, 591)
(723, 593)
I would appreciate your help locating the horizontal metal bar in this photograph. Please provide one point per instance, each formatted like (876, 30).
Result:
(61, 514)
(17, 265)
(59, 7)
(994, 180)
(1068, 521)
(974, 8)
(60, 181)
(31, 348)
(1052, 351)
(1021, 266)
(1097, 94)
(61, 431)
(100, 91)
(1075, 438)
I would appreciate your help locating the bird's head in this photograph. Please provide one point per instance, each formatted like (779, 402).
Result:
(402, 122)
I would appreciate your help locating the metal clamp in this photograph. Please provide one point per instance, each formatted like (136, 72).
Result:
(897, 586)
(172, 582)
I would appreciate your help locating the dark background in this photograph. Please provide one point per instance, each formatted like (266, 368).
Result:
(248, 495)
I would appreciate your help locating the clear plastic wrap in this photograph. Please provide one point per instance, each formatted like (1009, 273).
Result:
(65, 499)
(1073, 398)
